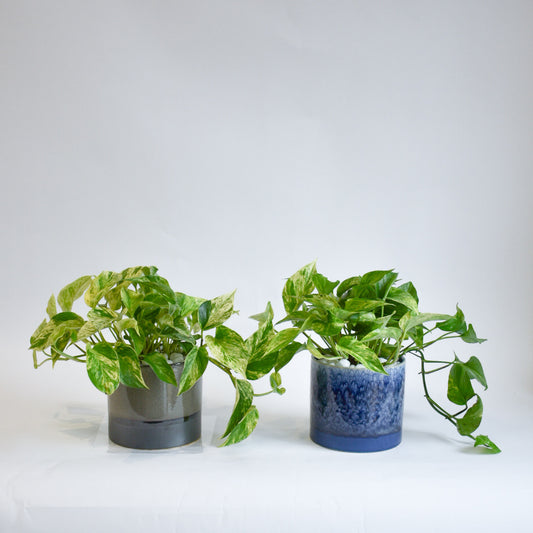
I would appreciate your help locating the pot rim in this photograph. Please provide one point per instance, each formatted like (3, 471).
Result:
(359, 367)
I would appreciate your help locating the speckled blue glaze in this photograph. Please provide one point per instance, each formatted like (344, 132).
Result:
(354, 409)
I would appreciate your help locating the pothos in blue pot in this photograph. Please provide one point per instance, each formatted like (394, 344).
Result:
(360, 333)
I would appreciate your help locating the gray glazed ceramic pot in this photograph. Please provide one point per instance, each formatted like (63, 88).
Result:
(155, 418)
(354, 409)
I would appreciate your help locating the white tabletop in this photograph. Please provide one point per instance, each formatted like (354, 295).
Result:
(59, 472)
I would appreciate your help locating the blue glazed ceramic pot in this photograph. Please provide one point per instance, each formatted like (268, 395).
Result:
(354, 409)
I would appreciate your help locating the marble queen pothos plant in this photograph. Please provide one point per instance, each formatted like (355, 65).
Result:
(373, 321)
(135, 318)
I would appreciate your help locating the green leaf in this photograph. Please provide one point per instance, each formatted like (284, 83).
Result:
(460, 388)
(409, 321)
(456, 323)
(347, 284)
(377, 284)
(187, 304)
(203, 313)
(260, 361)
(260, 366)
(127, 323)
(281, 340)
(62, 339)
(275, 380)
(471, 419)
(158, 285)
(51, 308)
(244, 427)
(137, 340)
(322, 301)
(91, 327)
(361, 352)
(323, 285)
(130, 367)
(38, 337)
(363, 323)
(404, 298)
(99, 287)
(195, 365)
(266, 316)
(313, 348)
(375, 276)
(165, 318)
(156, 299)
(471, 337)
(136, 272)
(228, 348)
(358, 305)
(130, 300)
(257, 342)
(178, 334)
(475, 371)
(68, 316)
(417, 334)
(46, 334)
(341, 315)
(103, 367)
(383, 333)
(101, 312)
(221, 310)
(326, 327)
(297, 286)
(483, 440)
(244, 395)
(161, 368)
(113, 297)
(69, 294)
(58, 331)
(286, 354)
(410, 288)
(297, 317)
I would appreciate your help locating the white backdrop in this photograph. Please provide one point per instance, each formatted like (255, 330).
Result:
(229, 143)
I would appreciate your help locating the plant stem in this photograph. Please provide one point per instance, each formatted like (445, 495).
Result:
(224, 369)
(43, 362)
(440, 368)
(430, 400)
(460, 412)
(118, 334)
(431, 361)
(66, 356)
(80, 349)
(396, 354)
(256, 395)
(447, 335)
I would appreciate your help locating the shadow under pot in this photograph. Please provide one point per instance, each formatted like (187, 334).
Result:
(354, 409)
(155, 418)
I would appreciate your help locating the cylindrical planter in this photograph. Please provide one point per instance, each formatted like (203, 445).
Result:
(354, 409)
(155, 418)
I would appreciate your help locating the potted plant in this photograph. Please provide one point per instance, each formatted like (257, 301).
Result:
(359, 332)
(146, 347)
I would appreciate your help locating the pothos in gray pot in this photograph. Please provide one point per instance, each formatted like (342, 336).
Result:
(359, 333)
(146, 347)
